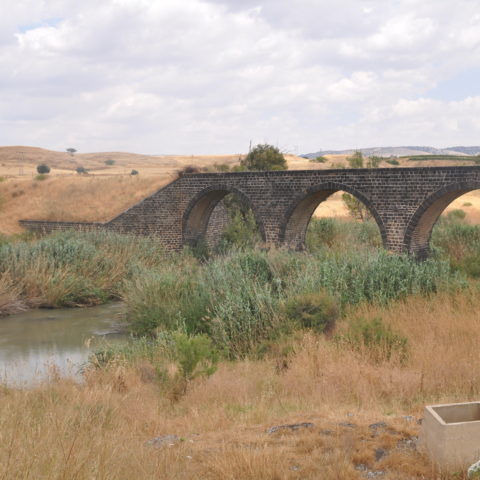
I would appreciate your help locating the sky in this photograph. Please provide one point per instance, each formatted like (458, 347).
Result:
(211, 76)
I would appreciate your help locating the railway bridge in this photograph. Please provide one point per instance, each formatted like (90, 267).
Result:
(405, 203)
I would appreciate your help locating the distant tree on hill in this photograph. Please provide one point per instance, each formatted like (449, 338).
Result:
(264, 157)
(71, 151)
(109, 161)
(134, 172)
(81, 170)
(43, 168)
(355, 207)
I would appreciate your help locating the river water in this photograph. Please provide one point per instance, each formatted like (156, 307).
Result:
(39, 343)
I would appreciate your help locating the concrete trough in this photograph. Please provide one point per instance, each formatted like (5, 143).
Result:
(451, 434)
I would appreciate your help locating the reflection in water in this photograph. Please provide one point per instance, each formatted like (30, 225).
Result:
(37, 342)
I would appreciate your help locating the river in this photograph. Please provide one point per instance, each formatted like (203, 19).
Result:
(37, 343)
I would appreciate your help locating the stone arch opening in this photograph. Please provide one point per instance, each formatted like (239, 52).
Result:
(420, 227)
(209, 214)
(300, 214)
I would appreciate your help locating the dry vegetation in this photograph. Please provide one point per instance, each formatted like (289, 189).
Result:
(99, 429)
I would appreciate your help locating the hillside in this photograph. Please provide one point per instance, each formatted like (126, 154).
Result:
(109, 189)
(401, 151)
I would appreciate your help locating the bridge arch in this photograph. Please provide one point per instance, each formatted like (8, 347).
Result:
(420, 226)
(299, 214)
(197, 215)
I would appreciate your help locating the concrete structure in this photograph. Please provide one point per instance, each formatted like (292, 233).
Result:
(405, 203)
(451, 434)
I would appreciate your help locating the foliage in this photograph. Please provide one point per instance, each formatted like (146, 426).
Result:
(393, 161)
(317, 311)
(356, 159)
(81, 170)
(109, 161)
(264, 157)
(71, 150)
(134, 172)
(355, 207)
(319, 159)
(381, 342)
(41, 177)
(456, 214)
(43, 168)
(374, 161)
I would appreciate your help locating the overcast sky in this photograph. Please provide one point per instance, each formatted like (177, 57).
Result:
(191, 76)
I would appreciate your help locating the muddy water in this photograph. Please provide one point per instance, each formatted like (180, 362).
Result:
(39, 343)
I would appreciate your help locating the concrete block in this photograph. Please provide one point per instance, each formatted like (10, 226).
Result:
(451, 434)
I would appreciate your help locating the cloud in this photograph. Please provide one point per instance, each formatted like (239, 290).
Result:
(203, 76)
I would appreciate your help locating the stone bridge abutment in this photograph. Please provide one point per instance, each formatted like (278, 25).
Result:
(405, 203)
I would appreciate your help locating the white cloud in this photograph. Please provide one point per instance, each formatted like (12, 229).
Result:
(208, 76)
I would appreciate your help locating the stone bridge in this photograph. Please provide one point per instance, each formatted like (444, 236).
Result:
(405, 203)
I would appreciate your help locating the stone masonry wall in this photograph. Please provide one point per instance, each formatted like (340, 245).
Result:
(405, 203)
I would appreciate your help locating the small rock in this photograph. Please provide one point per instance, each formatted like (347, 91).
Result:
(474, 470)
(408, 418)
(375, 473)
(348, 425)
(158, 442)
(325, 431)
(361, 467)
(375, 426)
(293, 426)
(380, 453)
(408, 443)
(295, 468)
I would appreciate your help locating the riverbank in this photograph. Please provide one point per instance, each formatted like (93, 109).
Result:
(102, 429)
(347, 340)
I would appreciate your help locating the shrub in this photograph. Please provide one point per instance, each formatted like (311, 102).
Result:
(376, 339)
(321, 232)
(264, 157)
(317, 311)
(467, 204)
(41, 177)
(134, 172)
(110, 161)
(319, 159)
(43, 168)
(456, 214)
(81, 170)
(393, 161)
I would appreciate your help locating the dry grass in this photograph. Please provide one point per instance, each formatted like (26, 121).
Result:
(99, 429)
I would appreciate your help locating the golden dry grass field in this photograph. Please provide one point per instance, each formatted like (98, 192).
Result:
(108, 190)
(99, 429)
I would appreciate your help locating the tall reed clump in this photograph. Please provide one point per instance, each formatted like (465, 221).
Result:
(459, 242)
(71, 268)
(238, 299)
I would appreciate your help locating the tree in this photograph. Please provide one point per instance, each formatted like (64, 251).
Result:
(109, 161)
(134, 172)
(71, 151)
(355, 207)
(264, 157)
(356, 159)
(81, 170)
(43, 168)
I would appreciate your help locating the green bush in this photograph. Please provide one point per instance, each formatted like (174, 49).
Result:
(110, 161)
(264, 157)
(377, 339)
(317, 311)
(456, 214)
(81, 170)
(319, 159)
(321, 232)
(134, 172)
(393, 161)
(43, 169)
(41, 177)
